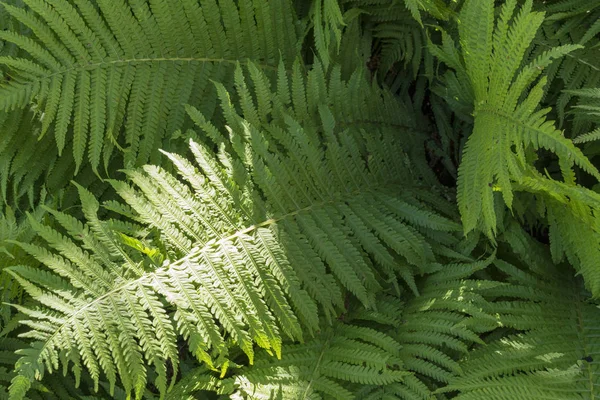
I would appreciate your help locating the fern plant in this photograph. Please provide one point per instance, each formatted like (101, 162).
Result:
(105, 76)
(396, 351)
(505, 122)
(252, 240)
(588, 111)
(552, 345)
(573, 22)
(248, 199)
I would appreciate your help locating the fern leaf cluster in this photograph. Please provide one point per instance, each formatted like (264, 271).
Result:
(553, 346)
(251, 199)
(232, 230)
(115, 75)
(504, 125)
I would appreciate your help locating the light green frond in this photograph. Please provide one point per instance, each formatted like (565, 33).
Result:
(505, 122)
(260, 241)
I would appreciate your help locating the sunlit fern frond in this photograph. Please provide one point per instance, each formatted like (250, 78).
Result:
(280, 225)
(396, 350)
(326, 366)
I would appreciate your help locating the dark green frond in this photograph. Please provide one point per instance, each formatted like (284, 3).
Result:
(554, 352)
(116, 74)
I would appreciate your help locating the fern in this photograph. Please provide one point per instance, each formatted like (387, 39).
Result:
(255, 240)
(400, 36)
(12, 229)
(116, 75)
(588, 110)
(553, 353)
(573, 22)
(395, 351)
(505, 122)
(435, 330)
(571, 212)
(263, 199)
(437, 8)
(326, 365)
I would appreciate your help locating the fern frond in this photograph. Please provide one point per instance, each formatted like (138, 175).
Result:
(434, 330)
(438, 9)
(339, 356)
(258, 238)
(101, 74)
(13, 228)
(506, 122)
(571, 22)
(588, 110)
(552, 355)
(398, 53)
(572, 216)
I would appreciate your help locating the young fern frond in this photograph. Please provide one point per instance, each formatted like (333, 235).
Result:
(506, 122)
(114, 74)
(276, 229)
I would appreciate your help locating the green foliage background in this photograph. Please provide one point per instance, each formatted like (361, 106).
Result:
(293, 199)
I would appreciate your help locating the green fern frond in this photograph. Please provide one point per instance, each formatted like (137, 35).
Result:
(257, 237)
(399, 38)
(100, 75)
(571, 22)
(506, 122)
(326, 365)
(339, 359)
(12, 228)
(437, 8)
(588, 110)
(434, 330)
(327, 23)
(571, 212)
(588, 137)
(553, 355)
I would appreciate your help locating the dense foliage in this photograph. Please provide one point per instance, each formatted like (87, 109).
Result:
(294, 199)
